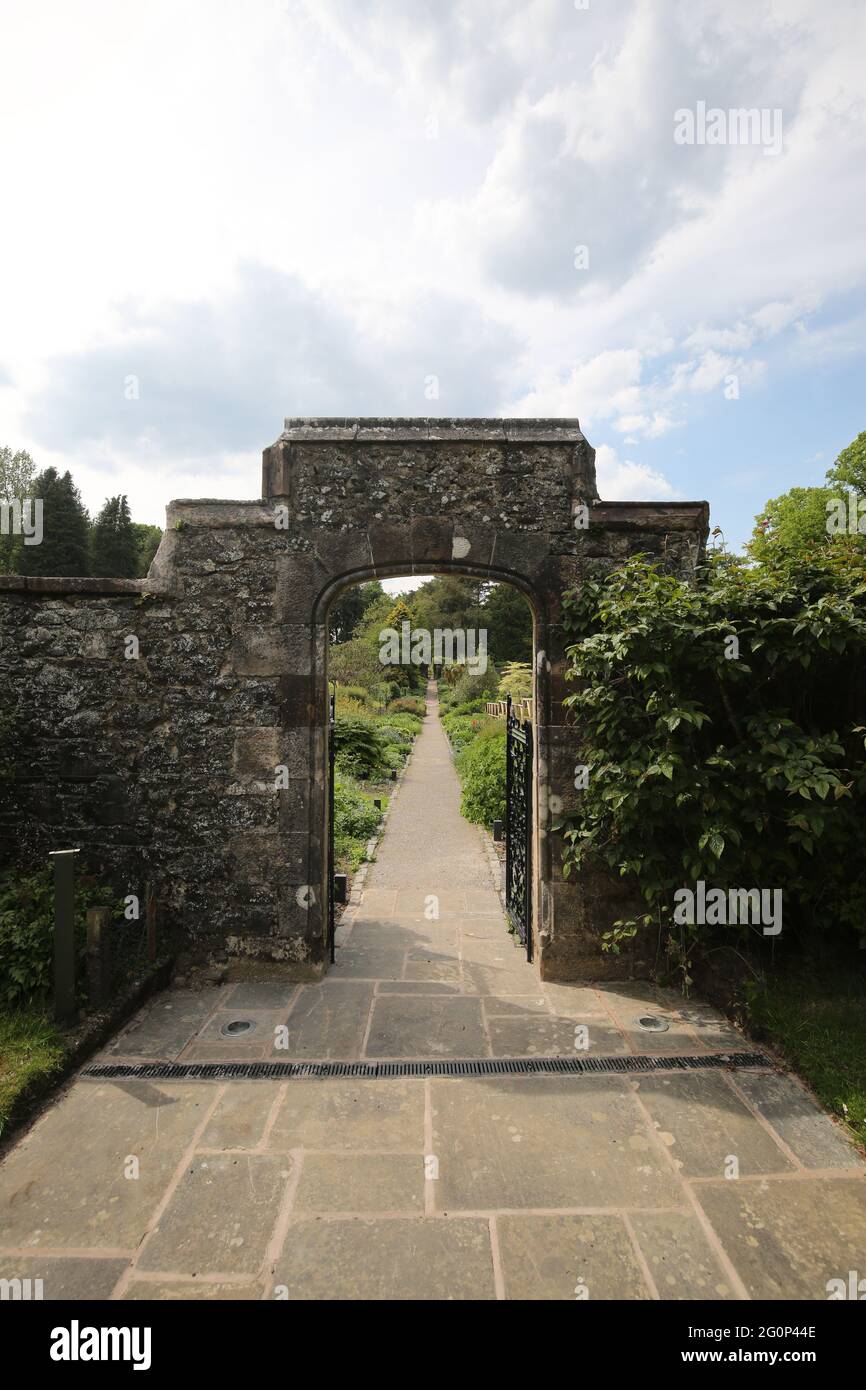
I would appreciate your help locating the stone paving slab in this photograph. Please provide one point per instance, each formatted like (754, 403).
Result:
(787, 1239)
(329, 1020)
(809, 1133)
(423, 987)
(532, 1036)
(702, 1120)
(83, 1278)
(65, 1183)
(556, 1142)
(426, 966)
(569, 1257)
(219, 1217)
(241, 1116)
(573, 1001)
(259, 995)
(362, 1183)
(406, 1259)
(166, 1025)
(369, 963)
(350, 1114)
(406, 1026)
(678, 1257)
(515, 1006)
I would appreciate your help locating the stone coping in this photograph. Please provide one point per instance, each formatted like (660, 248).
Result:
(328, 429)
(72, 584)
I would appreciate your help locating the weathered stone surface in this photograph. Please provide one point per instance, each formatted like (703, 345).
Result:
(789, 1239)
(362, 1183)
(568, 1257)
(388, 1259)
(94, 1203)
(678, 1257)
(563, 1142)
(221, 1215)
(75, 1278)
(706, 1126)
(162, 767)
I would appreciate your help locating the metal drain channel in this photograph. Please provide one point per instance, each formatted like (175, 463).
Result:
(486, 1066)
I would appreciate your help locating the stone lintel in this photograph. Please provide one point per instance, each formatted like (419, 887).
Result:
(650, 516)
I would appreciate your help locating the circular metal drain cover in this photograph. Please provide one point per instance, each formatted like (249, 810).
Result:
(652, 1023)
(237, 1027)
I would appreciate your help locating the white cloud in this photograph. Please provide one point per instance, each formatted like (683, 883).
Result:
(242, 205)
(625, 480)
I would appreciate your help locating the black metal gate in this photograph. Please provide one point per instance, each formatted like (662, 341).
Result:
(332, 719)
(518, 827)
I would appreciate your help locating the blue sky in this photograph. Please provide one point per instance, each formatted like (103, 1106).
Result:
(252, 211)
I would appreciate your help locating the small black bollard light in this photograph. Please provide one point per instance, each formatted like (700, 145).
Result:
(341, 887)
(497, 830)
(393, 774)
(377, 802)
(65, 1010)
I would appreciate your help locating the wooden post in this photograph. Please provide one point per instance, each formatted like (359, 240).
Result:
(65, 1007)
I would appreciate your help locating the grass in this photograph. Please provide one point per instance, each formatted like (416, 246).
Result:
(31, 1051)
(814, 1013)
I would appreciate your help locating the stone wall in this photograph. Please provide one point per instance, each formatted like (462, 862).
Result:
(201, 763)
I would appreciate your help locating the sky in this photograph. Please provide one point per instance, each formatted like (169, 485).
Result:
(219, 214)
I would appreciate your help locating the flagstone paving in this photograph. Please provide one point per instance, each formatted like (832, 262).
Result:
(708, 1184)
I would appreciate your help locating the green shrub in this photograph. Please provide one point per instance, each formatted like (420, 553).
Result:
(407, 724)
(355, 816)
(481, 767)
(463, 728)
(357, 696)
(468, 707)
(516, 680)
(476, 687)
(743, 771)
(355, 820)
(27, 932)
(350, 708)
(408, 704)
(360, 748)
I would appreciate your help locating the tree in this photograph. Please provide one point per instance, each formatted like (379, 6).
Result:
(65, 548)
(508, 619)
(147, 539)
(849, 470)
(349, 610)
(796, 521)
(448, 601)
(113, 544)
(355, 662)
(17, 473)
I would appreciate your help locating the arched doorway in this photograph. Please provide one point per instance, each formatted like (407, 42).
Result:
(528, 808)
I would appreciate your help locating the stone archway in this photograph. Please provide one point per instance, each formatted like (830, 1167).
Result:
(202, 761)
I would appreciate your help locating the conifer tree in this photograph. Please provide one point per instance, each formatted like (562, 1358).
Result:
(65, 548)
(114, 544)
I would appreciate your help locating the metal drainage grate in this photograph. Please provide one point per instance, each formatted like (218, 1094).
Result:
(653, 1023)
(497, 1066)
(237, 1028)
